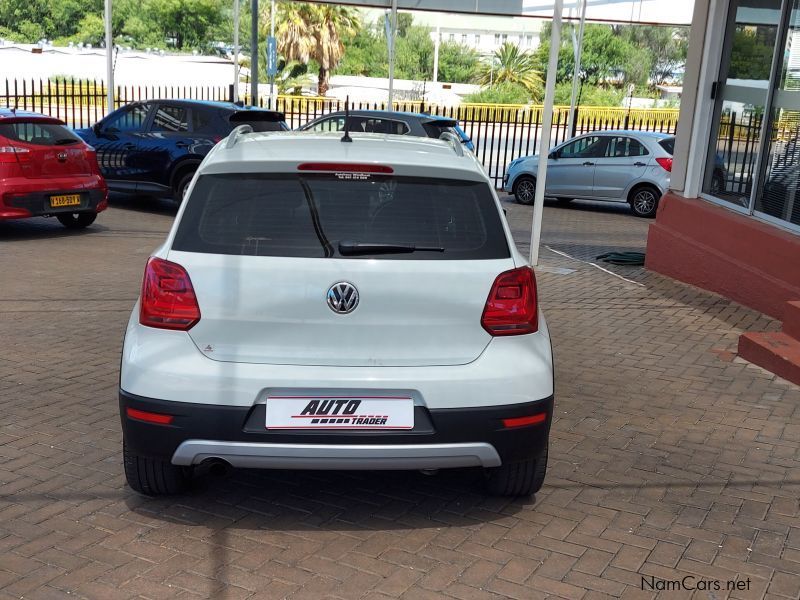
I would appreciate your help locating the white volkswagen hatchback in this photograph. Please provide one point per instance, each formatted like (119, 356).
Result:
(320, 304)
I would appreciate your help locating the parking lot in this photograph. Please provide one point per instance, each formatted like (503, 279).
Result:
(669, 457)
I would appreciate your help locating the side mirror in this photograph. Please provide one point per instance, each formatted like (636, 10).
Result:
(553, 155)
(96, 128)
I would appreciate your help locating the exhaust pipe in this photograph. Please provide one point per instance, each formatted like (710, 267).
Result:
(217, 466)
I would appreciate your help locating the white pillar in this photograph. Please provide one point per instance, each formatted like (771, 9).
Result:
(109, 57)
(235, 50)
(436, 42)
(576, 72)
(547, 125)
(392, 35)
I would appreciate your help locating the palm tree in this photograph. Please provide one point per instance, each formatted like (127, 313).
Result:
(306, 31)
(512, 65)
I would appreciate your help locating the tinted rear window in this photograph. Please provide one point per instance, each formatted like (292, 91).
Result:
(308, 215)
(668, 144)
(39, 134)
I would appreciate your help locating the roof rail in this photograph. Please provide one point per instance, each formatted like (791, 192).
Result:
(237, 132)
(454, 140)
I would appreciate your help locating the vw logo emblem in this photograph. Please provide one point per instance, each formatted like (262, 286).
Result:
(342, 297)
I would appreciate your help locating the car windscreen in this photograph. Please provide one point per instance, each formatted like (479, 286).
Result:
(259, 120)
(38, 133)
(316, 215)
(668, 144)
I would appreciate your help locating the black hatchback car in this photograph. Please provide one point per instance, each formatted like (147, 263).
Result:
(154, 147)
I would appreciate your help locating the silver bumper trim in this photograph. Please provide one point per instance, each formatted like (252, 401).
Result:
(338, 456)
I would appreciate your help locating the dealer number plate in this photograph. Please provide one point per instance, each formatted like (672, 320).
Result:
(340, 412)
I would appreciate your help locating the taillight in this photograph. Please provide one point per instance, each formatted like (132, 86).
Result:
(14, 154)
(168, 300)
(665, 162)
(525, 421)
(511, 306)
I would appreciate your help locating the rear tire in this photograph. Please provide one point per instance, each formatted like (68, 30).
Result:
(76, 220)
(153, 477)
(524, 190)
(644, 201)
(518, 479)
(182, 187)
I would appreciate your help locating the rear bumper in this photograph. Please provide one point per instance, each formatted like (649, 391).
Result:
(441, 438)
(21, 198)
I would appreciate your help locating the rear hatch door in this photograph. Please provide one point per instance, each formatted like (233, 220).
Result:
(48, 148)
(265, 252)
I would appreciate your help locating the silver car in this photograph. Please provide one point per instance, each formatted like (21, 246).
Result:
(620, 166)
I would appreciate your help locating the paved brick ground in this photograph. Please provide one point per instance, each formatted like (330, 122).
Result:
(669, 457)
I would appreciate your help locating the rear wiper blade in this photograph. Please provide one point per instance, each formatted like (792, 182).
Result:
(65, 141)
(348, 247)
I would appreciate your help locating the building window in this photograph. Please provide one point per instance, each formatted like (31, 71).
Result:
(504, 38)
(452, 37)
(528, 40)
(477, 39)
(732, 161)
(464, 38)
(497, 39)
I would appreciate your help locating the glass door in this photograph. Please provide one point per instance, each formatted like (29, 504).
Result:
(741, 96)
(777, 197)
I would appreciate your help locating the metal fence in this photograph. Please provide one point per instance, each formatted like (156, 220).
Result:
(500, 133)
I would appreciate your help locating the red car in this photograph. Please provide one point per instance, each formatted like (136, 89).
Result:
(47, 171)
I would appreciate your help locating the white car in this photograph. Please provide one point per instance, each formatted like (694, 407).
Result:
(320, 304)
(622, 166)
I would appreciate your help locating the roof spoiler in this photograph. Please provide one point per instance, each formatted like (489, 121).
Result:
(443, 121)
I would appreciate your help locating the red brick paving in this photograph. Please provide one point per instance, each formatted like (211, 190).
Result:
(669, 457)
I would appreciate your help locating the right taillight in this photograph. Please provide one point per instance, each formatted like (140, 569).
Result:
(665, 162)
(168, 300)
(511, 306)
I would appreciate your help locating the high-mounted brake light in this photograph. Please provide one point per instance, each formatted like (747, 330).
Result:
(149, 417)
(511, 306)
(345, 168)
(168, 300)
(525, 421)
(665, 162)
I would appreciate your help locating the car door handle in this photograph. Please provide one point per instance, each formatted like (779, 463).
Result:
(588, 164)
(639, 164)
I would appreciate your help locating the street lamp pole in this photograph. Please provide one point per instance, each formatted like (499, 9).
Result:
(235, 50)
(578, 51)
(391, 39)
(109, 57)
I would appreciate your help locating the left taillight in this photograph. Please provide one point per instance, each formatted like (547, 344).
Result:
(168, 300)
(511, 308)
(14, 154)
(665, 162)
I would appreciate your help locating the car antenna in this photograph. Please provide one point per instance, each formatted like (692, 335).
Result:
(346, 137)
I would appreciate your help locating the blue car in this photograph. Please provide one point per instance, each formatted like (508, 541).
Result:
(154, 147)
(391, 122)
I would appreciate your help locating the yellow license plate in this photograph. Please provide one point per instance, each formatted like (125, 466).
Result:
(66, 200)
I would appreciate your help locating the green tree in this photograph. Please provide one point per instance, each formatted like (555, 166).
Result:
(457, 63)
(501, 93)
(512, 65)
(665, 48)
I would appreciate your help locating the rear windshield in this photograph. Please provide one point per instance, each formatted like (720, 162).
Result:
(38, 134)
(668, 144)
(435, 129)
(309, 215)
